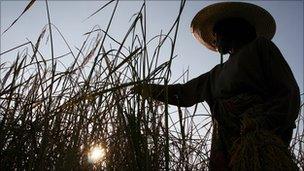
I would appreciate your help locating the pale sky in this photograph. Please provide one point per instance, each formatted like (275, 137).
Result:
(68, 16)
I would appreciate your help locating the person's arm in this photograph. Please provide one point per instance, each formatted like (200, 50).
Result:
(184, 95)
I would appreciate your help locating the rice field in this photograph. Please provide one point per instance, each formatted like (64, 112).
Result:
(83, 116)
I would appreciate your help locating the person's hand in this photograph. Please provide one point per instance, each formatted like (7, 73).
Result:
(143, 89)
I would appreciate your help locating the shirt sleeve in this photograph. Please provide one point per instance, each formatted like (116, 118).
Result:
(282, 105)
(184, 95)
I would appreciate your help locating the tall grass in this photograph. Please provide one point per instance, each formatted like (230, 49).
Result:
(51, 117)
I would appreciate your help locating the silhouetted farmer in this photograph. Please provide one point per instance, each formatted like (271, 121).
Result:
(253, 96)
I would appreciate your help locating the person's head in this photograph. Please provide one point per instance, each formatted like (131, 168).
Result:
(233, 33)
(230, 21)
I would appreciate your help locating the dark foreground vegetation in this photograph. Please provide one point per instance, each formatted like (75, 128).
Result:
(52, 114)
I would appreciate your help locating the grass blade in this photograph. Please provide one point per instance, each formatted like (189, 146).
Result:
(29, 5)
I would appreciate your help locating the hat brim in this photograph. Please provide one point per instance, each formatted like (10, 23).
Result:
(203, 23)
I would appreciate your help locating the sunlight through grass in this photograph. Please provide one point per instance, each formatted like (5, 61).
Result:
(96, 154)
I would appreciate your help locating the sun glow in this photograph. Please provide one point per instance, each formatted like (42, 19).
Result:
(96, 154)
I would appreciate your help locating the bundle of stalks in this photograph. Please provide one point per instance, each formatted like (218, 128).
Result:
(261, 150)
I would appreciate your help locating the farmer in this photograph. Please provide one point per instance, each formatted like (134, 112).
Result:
(254, 90)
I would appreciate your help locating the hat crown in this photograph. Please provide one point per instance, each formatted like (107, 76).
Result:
(204, 21)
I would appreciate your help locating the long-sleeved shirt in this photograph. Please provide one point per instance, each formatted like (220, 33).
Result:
(258, 68)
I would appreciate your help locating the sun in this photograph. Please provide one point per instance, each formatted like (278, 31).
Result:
(96, 154)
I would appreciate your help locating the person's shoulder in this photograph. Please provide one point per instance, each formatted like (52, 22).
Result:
(216, 69)
(262, 41)
(262, 44)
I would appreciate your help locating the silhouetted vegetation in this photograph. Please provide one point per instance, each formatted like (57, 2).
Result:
(51, 113)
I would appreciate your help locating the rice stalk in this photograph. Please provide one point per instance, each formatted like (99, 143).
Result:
(52, 113)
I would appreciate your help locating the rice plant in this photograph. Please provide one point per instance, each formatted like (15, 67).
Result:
(82, 116)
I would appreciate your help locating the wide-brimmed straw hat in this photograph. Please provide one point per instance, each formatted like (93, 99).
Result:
(203, 23)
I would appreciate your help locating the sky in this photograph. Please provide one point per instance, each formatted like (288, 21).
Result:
(69, 17)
